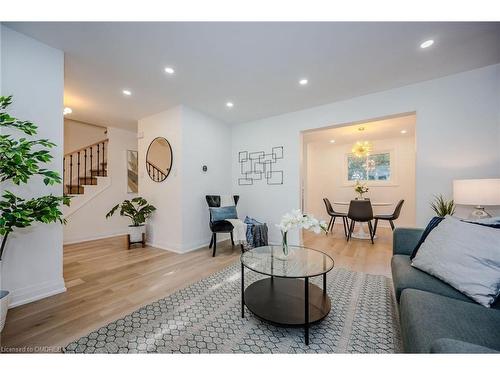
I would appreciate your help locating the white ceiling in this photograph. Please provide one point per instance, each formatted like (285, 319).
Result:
(255, 65)
(373, 130)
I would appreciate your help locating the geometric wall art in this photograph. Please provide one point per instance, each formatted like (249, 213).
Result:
(259, 166)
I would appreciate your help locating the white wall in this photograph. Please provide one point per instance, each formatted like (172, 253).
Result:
(164, 229)
(79, 134)
(89, 222)
(456, 137)
(181, 221)
(326, 177)
(34, 74)
(205, 142)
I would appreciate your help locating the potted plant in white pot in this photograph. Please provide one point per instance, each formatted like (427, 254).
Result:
(20, 159)
(138, 210)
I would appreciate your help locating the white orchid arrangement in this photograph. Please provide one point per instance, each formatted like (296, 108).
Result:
(296, 219)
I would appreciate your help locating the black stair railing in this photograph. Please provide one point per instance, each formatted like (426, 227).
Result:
(155, 173)
(83, 165)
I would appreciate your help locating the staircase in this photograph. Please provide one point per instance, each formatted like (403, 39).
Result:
(85, 174)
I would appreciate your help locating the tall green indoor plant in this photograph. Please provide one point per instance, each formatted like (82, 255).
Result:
(21, 158)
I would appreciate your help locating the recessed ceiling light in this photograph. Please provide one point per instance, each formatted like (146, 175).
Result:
(229, 105)
(427, 43)
(67, 111)
(403, 131)
(169, 70)
(332, 140)
(303, 82)
(127, 92)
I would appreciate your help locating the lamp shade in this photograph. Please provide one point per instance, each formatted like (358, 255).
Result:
(483, 192)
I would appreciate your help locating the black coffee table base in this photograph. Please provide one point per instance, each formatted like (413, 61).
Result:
(287, 302)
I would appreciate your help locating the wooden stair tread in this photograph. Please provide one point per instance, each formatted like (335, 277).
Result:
(99, 173)
(75, 189)
(88, 180)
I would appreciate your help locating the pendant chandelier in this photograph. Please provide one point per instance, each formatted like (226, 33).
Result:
(362, 149)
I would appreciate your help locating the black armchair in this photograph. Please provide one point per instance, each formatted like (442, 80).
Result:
(221, 226)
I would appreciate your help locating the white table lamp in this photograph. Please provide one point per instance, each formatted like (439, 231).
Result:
(478, 193)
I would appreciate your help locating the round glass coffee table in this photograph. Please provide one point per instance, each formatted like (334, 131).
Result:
(283, 298)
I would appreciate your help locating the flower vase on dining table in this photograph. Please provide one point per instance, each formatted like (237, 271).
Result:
(360, 189)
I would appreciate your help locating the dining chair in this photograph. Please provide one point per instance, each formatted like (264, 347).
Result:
(389, 217)
(333, 215)
(360, 211)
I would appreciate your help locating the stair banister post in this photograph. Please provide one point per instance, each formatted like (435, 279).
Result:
(71, 174)
(78, 172)
(85, 165)
(64, 171)
(98, 160)
(103, 145)
(91, 162)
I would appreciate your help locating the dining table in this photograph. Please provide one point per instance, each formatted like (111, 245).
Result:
(361, 233)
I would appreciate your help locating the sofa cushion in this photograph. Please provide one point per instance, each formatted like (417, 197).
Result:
(450, 346)
(464, 255)
(404, 276)
(221, 226)
(404, 240)
(427, 317)
(492, 222)
(432, 224)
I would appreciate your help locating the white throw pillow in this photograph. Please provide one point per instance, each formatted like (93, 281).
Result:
(464, 255)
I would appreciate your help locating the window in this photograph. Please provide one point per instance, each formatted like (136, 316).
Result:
(376, 167)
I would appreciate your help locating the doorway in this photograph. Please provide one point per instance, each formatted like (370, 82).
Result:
(378, 154)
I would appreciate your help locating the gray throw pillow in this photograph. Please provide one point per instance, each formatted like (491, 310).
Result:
(464, 255)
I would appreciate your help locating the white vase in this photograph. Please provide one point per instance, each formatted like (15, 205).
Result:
(4, 306)
(4, 301)
(135, 232)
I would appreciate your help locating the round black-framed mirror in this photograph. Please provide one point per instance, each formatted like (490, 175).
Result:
(159, 159)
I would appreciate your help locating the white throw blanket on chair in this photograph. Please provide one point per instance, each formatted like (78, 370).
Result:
(239, 231)
(240, 228)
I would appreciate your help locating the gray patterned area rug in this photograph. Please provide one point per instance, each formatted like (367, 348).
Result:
(206, 318)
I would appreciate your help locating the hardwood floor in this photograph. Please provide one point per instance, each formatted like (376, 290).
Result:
(356, 255)
(105, 281)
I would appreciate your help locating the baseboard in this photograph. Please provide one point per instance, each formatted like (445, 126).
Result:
(93, 238)
(177, 250)
(164, 247)
(34, 293)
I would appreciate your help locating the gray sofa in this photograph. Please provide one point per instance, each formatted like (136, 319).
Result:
(436, 318)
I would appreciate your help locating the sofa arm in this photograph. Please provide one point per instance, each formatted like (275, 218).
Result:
(450, 346)
(404, 240)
